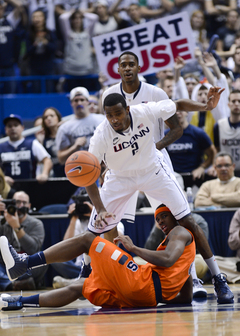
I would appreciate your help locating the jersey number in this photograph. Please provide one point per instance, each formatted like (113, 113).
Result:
(15, 168)
(134, 148)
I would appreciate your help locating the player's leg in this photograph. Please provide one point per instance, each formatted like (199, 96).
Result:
(55, 298)
(17, 265)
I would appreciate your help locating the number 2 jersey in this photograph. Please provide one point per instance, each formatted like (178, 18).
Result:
(135, 149)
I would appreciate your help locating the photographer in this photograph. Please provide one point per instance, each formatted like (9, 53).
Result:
(25, 234)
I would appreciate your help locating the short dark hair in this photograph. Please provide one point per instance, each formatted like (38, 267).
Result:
(232, 92)
(128, 53)
(114, 99)
(221, 154)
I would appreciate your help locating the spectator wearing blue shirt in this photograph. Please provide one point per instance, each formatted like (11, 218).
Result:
(191, 154)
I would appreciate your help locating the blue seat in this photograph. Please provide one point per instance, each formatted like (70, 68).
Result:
(54, 209)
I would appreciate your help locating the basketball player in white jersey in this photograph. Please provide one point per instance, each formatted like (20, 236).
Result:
(137, 92)
(125, 142)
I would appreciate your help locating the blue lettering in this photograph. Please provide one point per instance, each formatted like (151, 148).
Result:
(140, 37)
(159, 32)
(117, 149)
(176, 26)
(125, 42)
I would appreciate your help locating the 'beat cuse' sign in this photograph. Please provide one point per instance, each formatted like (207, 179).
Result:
(157, 43)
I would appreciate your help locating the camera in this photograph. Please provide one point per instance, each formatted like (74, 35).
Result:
(81, 209)
(10, 206)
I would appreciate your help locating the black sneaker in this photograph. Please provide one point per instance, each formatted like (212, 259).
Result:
(16, 264)
(8, 302)
(221, 289)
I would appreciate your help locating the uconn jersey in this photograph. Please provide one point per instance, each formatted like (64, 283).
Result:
(135, 149)
(144, 94)
(229, 140)
(19, 162)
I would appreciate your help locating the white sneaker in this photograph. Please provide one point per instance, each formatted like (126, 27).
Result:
(198, 290)
(59, 282)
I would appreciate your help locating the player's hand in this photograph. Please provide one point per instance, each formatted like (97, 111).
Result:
(213, 96)
(126, 241)
(101, 220)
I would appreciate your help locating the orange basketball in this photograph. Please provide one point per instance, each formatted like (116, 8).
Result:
(82, 168)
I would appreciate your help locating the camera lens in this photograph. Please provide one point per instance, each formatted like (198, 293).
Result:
(11, 209)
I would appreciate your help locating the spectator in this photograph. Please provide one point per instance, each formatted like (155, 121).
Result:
(51, 120)
(19, 156)
(153, 9)
(94, 104)
(198, 25)
(8, 45)
(205, 119)
(75, 134)
(191, 81)
(135, 15)
(174, 86)
(197, 149)
(227, 131)
(228, 32)
(39, 135)
(107, 21)
(234, 236)
(41, 46)
(78, 50)
(216, 11)
(47, 7)
(26, 234)
(236, 60)
(5, 190)
(223, 191)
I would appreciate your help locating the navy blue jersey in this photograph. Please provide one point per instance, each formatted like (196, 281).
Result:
(50, 145)
(7, 48)
(18, 163)
(187, 152)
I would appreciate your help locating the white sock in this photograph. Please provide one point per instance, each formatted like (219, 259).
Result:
(193, 271)
(212, 265)
(87, 259)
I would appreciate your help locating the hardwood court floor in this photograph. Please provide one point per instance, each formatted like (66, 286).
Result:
(81, 318)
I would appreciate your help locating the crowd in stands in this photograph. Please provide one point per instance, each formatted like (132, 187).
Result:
(53, 37)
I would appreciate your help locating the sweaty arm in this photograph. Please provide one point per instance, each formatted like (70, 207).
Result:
(189, 105)
(178, 238)
(174, 133)
(94, 195)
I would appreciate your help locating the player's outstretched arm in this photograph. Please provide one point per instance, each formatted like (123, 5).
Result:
(101, 220)
(189, 105)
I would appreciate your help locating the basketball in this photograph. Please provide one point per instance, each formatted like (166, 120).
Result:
(82, 168)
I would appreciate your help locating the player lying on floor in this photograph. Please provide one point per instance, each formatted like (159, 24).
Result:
(116, 280)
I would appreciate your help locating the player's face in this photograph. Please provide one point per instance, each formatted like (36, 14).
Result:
(165, 221)
(14, 130)
(202, 96)
(224, 168)
(128, 69)
(118, 117)
(234, 103)
(50, 118)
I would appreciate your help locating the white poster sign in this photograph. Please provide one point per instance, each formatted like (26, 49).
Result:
(157, 43)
